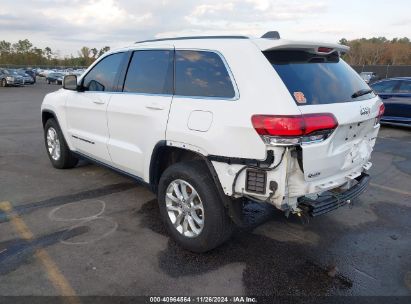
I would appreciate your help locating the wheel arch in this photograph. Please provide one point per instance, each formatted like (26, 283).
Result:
(46, 115)
(164, 156)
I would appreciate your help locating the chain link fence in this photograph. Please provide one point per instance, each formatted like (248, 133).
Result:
(385, 71)
(382, 71)
(43, 67)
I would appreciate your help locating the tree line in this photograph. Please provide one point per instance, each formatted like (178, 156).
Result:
(373, 51)
(24, 53)
(378, 51)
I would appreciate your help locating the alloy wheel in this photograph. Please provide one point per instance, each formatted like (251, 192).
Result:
(185, 208)
(53, 143)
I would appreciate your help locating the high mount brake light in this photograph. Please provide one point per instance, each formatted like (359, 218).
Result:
(323, 49)
(291, 130)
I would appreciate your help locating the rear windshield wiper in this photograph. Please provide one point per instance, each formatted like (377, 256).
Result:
(361, 93)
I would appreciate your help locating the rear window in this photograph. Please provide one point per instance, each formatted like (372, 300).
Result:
(317, 79)
(405, 87)
(386, 86)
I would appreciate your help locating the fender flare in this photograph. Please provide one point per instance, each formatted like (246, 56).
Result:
(52, 114)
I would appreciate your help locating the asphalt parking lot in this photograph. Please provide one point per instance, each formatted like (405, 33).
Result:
(90, 231)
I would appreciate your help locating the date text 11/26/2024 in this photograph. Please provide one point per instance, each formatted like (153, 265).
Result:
(205, 299)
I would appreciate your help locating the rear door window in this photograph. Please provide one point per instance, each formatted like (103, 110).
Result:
(317, 79)
(150, 72)
(405, 87)
(384, 86)
(202, 74)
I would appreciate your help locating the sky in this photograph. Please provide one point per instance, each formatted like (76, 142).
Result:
(67, 25)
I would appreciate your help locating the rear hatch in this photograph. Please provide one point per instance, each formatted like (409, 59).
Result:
(320, 82)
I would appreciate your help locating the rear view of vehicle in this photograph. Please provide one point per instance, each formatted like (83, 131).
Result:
(333, 137)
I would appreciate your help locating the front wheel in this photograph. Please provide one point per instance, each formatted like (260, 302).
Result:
(3, 83)
(57, 149)
(191, 208)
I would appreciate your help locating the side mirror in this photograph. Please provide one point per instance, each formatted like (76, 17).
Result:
(70, 82)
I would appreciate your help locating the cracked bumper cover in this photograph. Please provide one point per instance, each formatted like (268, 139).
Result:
(329, 201)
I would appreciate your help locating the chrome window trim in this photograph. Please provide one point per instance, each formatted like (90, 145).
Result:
(227, 67)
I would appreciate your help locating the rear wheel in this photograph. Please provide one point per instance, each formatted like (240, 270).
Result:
(3, 83)
(57, 149)
(191, 207)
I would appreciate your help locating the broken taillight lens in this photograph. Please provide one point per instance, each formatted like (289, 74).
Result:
(380, 114)
(295, 129)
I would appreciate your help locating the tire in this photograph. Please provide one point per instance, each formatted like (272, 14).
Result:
(3, 83)
(48, 81)
(216, 227)
(60, 157)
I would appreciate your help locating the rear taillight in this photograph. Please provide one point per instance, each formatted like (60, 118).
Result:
(380, 114)
(290, 130)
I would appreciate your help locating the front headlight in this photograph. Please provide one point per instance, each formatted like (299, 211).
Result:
(10, 78)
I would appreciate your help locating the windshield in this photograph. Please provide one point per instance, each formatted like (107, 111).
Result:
(318, 79)
(12, 72)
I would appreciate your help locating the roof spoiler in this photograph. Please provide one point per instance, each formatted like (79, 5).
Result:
(315, 47)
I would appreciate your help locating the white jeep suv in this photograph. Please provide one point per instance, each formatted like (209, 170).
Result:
(211, 122)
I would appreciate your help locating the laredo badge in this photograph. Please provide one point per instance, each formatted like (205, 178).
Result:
(299, 97)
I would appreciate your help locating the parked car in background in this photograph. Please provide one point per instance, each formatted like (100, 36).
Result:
(39, 72)
(56, 78)
(78, 72)
(396, 95)
(9, 77)
(45, 73)
(369, 77)
(31, 73)
(27, 79)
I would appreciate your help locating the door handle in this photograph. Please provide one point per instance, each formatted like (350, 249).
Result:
(155, 106)
(98, 101)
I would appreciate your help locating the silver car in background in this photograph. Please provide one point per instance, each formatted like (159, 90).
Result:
(9, 77)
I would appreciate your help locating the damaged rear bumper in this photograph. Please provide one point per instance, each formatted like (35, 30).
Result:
(330, 200)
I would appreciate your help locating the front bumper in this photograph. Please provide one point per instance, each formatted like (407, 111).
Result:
(16, 82)
(396, 121)
(329, 200)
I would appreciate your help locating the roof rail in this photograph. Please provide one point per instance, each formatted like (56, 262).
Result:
(271, 35)
(194, 37)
